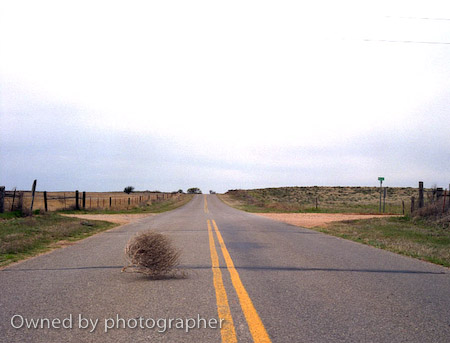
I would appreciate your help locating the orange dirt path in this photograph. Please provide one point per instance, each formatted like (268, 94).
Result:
(113, 218)
(310, 220)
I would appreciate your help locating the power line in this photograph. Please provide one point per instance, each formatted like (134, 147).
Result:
(405, 41)
(411, 41)
(418, 18)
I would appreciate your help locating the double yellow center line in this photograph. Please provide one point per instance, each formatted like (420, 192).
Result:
(205, 207)
(254, 322)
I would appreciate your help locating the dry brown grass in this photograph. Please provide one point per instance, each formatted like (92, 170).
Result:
(152, 254)
(94, 200)
(436, 212)
(329, 199)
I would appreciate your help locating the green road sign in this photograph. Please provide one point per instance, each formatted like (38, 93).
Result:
(381, 178)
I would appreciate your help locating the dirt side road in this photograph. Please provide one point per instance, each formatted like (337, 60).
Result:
(310, 220)
(113, 218)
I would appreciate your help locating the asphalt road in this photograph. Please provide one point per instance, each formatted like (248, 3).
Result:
(267, 281)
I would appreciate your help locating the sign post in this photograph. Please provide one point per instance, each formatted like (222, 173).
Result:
(381, 179)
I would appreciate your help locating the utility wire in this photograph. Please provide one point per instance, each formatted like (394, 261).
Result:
(410, 41)
(418, 18)
(405, 41)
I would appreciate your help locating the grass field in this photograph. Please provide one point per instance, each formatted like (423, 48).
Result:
(329, 199)
(57, 201)
(402, 235)
(22, 237)
(153, 207)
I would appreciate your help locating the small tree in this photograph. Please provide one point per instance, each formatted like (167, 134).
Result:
(194, 190)
(128, 189)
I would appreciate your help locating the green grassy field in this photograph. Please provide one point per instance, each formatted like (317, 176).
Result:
(22, 237)
(402, 235)
(329, 199)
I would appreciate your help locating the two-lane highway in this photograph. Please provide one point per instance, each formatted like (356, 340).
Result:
(249, 279)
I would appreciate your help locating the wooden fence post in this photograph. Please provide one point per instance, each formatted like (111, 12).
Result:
(412, 205)
(403, 207)
(2, 199)
(33, 193)
(84, 200)
(443, 206)
(77, 196)
(110, 202)
(14, 198)
(20, 202)
(45, 201)
(420, 194)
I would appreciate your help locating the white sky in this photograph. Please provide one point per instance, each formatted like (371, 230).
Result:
(98, 95)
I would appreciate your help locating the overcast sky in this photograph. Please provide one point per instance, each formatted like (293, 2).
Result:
(163, 95)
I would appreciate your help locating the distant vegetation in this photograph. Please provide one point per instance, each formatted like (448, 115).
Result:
(320, 199)
(128, 189)
(91, 201)
(155, 206)
(194, 190)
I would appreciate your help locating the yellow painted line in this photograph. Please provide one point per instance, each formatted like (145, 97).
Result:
(227, 330)
(205, 207)
(254, 322)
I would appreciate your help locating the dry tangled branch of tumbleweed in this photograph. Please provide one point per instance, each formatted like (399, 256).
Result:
(153, 254)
